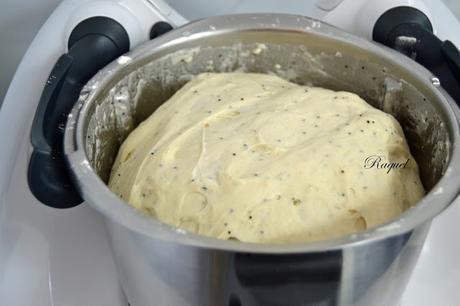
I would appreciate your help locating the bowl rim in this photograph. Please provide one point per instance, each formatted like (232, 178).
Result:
(98, 195)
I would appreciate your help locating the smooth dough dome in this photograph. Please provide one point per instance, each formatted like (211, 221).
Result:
(256, 158)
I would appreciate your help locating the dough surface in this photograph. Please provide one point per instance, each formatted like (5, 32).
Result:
(259, 159)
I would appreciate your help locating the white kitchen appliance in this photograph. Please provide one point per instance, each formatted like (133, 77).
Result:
(59, 257)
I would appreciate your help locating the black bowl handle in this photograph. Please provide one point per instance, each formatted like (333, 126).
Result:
(93, 44)
(286, 279)
(410, 32)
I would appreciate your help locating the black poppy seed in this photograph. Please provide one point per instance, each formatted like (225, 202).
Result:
(152, 153)
(343, 194)
(346, 66)
(242, 99)
(342, 171)
(143, 195)
(349, 133)
(368, 121)
(296, 202)
(89, 137)
(316, 125)
(229, 232)
(362, 131)
(306, 90)
(234, 154)
(123, 114)
(118, 174)
(250, 217)
(204, 188)
(255, 174)
(195, 91)
(362, 67)
(219, 99)
(373, 121)
(193, 180)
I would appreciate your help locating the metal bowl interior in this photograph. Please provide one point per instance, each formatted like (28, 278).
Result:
(296, 48)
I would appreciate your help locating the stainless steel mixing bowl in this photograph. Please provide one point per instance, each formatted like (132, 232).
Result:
(162, 265)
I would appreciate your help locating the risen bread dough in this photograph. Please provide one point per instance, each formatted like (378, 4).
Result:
(259, 159)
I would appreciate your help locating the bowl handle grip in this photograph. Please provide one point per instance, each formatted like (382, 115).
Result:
(409, 31)
(93, 44)
(287, 279)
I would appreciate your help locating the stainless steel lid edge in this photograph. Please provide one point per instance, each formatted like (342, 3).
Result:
(443, 193)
